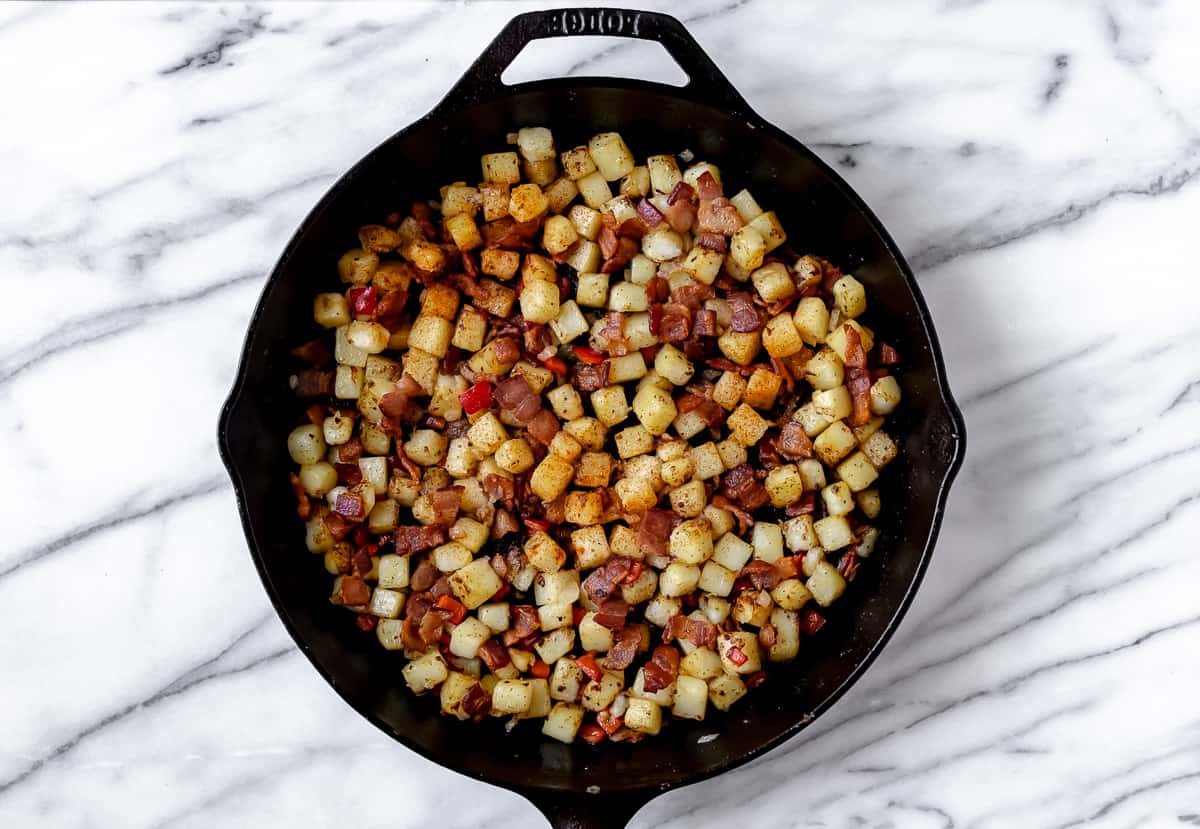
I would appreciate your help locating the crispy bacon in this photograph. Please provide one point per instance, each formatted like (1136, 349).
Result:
(745, 520)
(515, 395)
(351, 506)
(858, 381)
(607, 238)
(681, 192)
(713, 241)
(811, 621)
(603, 581)
(446, 503)
(543, 426)
(848, 566)
(681, 216)
(499, 488)
(856, 357)
(612, 614)
(509, 233)
(622, 653)
(650, 214)
(313, 352)
(589, 378)
(804, 505)
(676, 322)
(768, 453)
(303, 505)
(627, 248)
(312, 383)
(351, 591)
(398, 403)
(761, 574)
(524, 622)
(476, 702)
(744, 316)
(409, 540)
(787, 567)
(699, 632)
(708, 187)
(661, 670)
(888, 356)
(740, 484)
(794, 442)
(705, 323)
(654, 532)
(539, 342)
(389, 310)
(692, 295)
(339, 526)
(719, 216)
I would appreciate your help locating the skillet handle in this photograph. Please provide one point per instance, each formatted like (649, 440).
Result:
(588, 811)
(705, 83)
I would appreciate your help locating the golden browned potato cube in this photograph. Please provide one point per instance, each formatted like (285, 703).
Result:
(664, 173)
(331, 310)
(583, 508)
(560, 193)
(879, 448)
(780, 337)
(691, 541)
(589, 431)
(752, 607)
(501, 168)
(578, 163)
(739, 652)
(439, 301)
(475, 583)
(459, 198)
(689, 500)
(834, 403)
(599, 695)
(610, 405)
(885, 395)
(773, 282)
(762, 388)
(611, 156)
(535, 143)
(558, 234)
(527, 202)
(626, 367)
(716, 579)
(494, 196)
(590, 547)
(431, 334)
(538, 268)
(470, 329)
(487, 434)
(593, 290)
(678, 471)
(724, 690)
(426, 255)
(586, 220)
(357, 266)
(833, 533)
(740, 347)
(637, 183)
(747, 248)
(623, 542)
(595, 190)
(746, 425)
(857, 472)
(495, 298)
(824, 370)
(463, 232)
(707, 460)
(514, 456)
(425, 672)
(662, 244)
(593, 469)
(834, 443)
(540, 173)
(368, 337)
(768, 227)
(501, 263)
(825, 584)
(784, 485)
(672, 364)
(566, 402)
(584, 256)
(850, 296)
(746, 206)
(544, 553)
(655, 409)
(729, 390)
(550, 477)
(566, 447)
(539, 301)
(703, 264)
(635, 494)
(869, 502)
(812, 319)
(391, 276)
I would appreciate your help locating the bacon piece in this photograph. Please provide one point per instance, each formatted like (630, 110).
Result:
(805, 504)
(398, 403)
(389, 310)
(612, 613)
(654, 532)
(607, 238)
(313, 352)
(681, 192)
(719, 216)
(676, 323)
(493, 654)
(787, 567)
(312, 383)
(351, 506)
(515, 395)
(768, 453)
(507, 349)
(431, 628)
(708, 187)
(589, 378)
(499, 488)
(339, 526)
(858, 381)
(681, 216)
(603, 581)
(744, 316)
(409, 540)
(848, 566)
(352, 590)
(888, 356)
(543, 427)
(661, 670)
(650, 214)
(794, 442)
(856, 357)
(539, 343)
(761, 574)
(705, 323)
(713, 241)
(507, 232)
(446, 503)
(622, 653)
(476, 702)
(699, 632)
(524, 622)
(745, 520)
(627, 248)
(740, 484)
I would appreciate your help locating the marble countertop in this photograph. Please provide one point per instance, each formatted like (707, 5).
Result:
(1038, 163)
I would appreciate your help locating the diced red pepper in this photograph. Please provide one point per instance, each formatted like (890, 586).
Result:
(556, 365)
(366, 621)
(537, 524)
(589, 355)
(577, 614)
(736, 655)
(609, 723)
(477, 398)
(540, 669)
(592, 733)
(453, 606)
(811, 621)
(504, 590)
(635, 572)
(363, 301)
(588, 663)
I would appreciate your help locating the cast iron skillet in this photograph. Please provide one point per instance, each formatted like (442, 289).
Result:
(581, 785)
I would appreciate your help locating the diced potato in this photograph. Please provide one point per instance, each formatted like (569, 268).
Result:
(331, 310)
(662, 244)
(814, 422)
(679, 579)
(565, 447)
(393, 572)
(707, 461)
(589, 431)
(663, 696)
(599, 695)
(885, 395)
(703, 264)
(635, 494)
(716, 579)
(512, 696)
(426, 447)
(644, 716)
(450, 556)
(724, 690)
(578, 163)
(590, 546)
(678, 471)
(787, 635)
(543, 552)
(747, 248)
(664, 173)
(627, 297)
(791, 594)
(825, 584)
(610, 405)
(837, 338)
(540, 301)
(386, 603)
(558, 234)
(357, 266)
(731, 552)
(834, 403)
(344, 352)
(768, 226)
(857, 472)
(594, 469)
(691, 541)
(595, 190)
(469, 330)
(746, 206)
(701, 663)
(850, 296)
(592, 290)
(494, 196)
(812, 319)
(370, 337)
(584, 256)
(798, 533)
(427, 256)
(594, 636)
(495, 616)
(475, 583)
(655, 409)
(497, 300)
(672, 364)
(535, 143)
(338, 428)
(636, 183)
(642, 588)
(637, 331)
(453, 691)
(429, 333)
(527, 202)
(834, 443)
(583, 508)
(838, 498)
(740, 347)
(784, 485)
(720, 520)
(425, 672)
(690, 499)
(772, 281)
(570, 322)
(501, 168)
(729, 390)
(388, 632)
(306, 444)
(586, 220)
(762, 388)
(626, 367)
(487, 434)
(537, 377)
(611, 156)
(869, 502)
(566, 681)
(560, 192)
(752, 607)
(501, 263)
(565, 402)
(739, 652)
(563, 721)
(660, 609)
(554, 616)
(746, 425)
(824, 370)
(384, 517)
(833, 533)
(463, 232)
(459, 198)
(467, 636)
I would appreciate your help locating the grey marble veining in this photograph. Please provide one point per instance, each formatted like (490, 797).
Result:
(1037, 162)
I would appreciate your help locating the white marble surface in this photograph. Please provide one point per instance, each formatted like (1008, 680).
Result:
(1037, 161)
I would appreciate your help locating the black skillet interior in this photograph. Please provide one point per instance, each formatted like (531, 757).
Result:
(579, 785)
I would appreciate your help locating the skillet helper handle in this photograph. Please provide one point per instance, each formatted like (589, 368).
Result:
(706, 83)
(580, 810)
